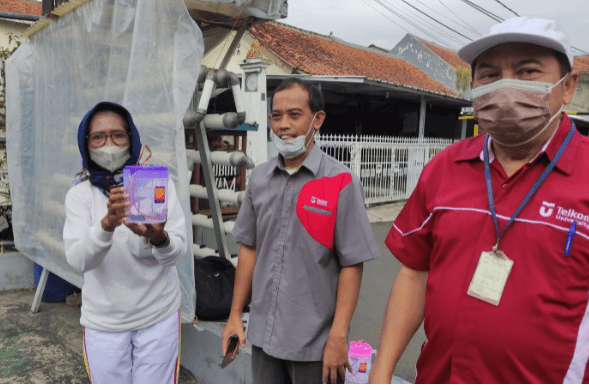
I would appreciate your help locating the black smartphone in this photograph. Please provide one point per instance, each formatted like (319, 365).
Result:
(232, 349)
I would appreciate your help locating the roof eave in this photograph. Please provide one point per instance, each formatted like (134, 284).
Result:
(368, 80)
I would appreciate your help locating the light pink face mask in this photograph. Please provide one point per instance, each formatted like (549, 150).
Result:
(514, 112)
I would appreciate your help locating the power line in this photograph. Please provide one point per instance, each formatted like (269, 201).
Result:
(435, 20)
(459, 17)
(465, 25)
(482, 10)
(506, 7)
(397, 24)
(406, 20)
(414, 16)
(515, 13)
(385, 4)
(426, 23)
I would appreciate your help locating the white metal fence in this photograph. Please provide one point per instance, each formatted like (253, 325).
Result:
(389, 167)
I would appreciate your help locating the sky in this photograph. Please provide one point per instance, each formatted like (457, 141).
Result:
(365, 22)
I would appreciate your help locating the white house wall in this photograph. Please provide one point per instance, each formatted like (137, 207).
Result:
(214, 57)
(7, 27)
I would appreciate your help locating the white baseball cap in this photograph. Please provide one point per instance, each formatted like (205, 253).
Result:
(521, 29)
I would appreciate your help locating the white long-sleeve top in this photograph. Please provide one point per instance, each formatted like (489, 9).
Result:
(128, 284)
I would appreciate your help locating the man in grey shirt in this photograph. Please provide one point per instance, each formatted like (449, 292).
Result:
(304, 236)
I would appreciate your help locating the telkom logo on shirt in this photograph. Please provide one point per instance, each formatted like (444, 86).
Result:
(318, 201)
(547, 209)
(567, 215)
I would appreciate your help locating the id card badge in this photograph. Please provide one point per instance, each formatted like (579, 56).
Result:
(490, 277)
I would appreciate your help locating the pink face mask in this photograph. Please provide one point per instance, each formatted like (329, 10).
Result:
(514, 112)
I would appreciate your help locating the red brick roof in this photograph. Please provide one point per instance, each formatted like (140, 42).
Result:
(318, 55)
(21, 7)
(581, 64)
(447, 55)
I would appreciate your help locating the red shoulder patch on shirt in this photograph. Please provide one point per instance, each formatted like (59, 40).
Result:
(317, 206)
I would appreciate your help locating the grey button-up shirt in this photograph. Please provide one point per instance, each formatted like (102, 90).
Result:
(305, 228)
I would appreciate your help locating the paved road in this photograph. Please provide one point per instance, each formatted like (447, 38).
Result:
(378, 278)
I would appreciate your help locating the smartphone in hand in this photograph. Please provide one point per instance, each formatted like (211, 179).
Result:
(232, 350)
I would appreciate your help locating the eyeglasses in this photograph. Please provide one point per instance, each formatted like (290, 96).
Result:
(120, 138)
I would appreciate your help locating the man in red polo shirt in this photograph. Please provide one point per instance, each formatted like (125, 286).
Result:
(494, 240)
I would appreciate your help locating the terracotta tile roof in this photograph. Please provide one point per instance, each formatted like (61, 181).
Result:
(21, 7)
(581, 64)
(319, 55)
(447, 55)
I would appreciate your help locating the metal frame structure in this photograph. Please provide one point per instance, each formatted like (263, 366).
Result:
(200, 121)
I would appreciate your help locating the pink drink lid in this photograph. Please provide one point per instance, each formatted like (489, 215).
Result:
(360, 348)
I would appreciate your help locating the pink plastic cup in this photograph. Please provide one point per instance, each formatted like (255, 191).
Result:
(360, 357)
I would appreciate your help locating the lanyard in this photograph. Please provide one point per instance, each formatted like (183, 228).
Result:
(532, 190)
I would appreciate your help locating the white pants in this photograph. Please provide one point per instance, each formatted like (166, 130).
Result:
(150, 355)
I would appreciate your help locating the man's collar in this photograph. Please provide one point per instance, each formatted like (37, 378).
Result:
(311, 162)
(474, 150)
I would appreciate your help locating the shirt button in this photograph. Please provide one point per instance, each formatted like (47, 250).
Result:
(286, 209)
(504, 185)
(290, 184)
(279, 262)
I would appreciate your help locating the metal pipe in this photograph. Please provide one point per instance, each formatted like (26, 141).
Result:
(239, 159)
(202, 74)
(205, 97)
(236, 159)
(206, 222)
(224, 195)
(239, 105)
(422, 111)
(224, 78)
(212, 192)
(11, 15)
(234, 43)
(207, 91)
(190, 119)
(227, 120)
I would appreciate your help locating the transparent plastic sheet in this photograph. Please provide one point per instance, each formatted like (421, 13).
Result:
(143, 54)
(263, 9)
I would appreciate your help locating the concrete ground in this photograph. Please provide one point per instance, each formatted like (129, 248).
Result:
(39, 348)
(47, 347)
(377, 280)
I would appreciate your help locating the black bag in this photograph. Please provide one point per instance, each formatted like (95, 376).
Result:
(214, 277)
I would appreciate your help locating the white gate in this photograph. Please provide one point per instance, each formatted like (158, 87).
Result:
(389, 167)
